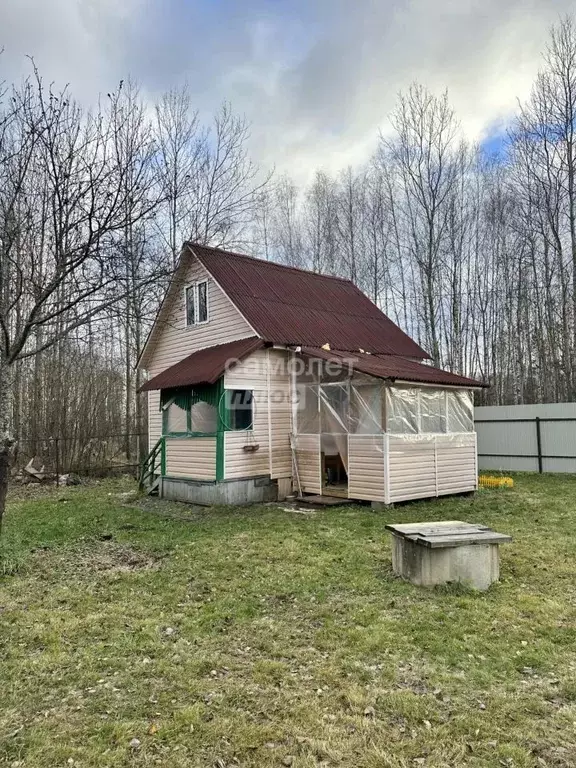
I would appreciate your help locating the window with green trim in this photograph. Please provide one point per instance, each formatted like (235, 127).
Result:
(240, 406)
(190, 412)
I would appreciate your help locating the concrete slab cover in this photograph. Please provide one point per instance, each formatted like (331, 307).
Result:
(428, 554)
(449, 533)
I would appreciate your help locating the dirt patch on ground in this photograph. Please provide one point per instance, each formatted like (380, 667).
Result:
(98, 557)
(111, 556)
(174, 509)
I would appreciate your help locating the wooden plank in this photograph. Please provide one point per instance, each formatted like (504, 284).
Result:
(424, 528)
(323, 501)
(487, 537)
(448, 533)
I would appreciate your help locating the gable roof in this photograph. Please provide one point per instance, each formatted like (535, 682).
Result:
(285, 305)
(204, 366)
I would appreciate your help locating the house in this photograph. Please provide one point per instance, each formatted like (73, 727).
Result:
(266, 379)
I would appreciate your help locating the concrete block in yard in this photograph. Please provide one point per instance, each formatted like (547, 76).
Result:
(430, 554)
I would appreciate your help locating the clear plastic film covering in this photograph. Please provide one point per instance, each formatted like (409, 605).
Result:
(308, 409)
(351, 407)
(204, 417)
(402, 404)
(460, 411)
(177, 418)
(334, 414)
(364, 405)
(433, 411)
(426, 411)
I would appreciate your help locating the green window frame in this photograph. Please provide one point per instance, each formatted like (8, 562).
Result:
(239, 410)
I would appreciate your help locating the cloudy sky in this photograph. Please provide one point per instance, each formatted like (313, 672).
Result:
(316, 78)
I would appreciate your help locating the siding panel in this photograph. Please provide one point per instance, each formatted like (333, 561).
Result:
(456, 463)
(237, 462)
(366, 467)
(309, 464)
(412, 470)
(191, 457)
(265, 373)
(250, 373)
(422, 467)
(154, 419)
(175, 341)
(280, 410)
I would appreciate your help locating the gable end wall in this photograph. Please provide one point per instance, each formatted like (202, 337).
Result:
(174, 341)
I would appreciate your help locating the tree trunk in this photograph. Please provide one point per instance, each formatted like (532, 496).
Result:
(6, 438)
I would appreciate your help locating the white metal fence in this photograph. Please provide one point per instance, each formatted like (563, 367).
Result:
(533, 438)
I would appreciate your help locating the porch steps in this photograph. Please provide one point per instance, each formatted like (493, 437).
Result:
(153, 488)
(152, 469)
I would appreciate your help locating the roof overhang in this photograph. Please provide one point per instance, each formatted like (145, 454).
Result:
(205, 366)
(400, 370)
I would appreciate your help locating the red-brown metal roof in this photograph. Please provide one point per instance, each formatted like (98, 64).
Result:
(393, 367)
(205, 366)
(292, 306)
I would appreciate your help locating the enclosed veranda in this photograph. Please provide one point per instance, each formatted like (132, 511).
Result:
(363, 436)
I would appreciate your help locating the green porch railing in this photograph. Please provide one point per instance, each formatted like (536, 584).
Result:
(154, 465)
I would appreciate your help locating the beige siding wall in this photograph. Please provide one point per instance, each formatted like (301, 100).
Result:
(191, 457)
(240, 463)
(280, 414)
(412, 468)
(173, 340)
(251, 373)
(366, 467)
(154, 419)
(430, 465)
(309, 464)
(265, 373)
(456, 464)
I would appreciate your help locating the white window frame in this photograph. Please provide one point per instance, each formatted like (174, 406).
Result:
(194, 287)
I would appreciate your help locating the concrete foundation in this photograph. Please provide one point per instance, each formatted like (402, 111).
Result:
(237, 492)
(475, 565)
(284, 487)
(380, 506)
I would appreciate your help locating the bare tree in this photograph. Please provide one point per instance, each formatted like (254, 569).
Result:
(211, 187)
(287, 224)
(424, 149)
(180, 160)
(62, 166)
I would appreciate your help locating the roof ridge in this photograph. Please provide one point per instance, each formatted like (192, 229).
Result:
(277, 264)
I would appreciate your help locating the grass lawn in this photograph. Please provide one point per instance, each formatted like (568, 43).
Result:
(262, 637)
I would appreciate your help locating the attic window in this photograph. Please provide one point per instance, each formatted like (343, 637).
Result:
(197, 303)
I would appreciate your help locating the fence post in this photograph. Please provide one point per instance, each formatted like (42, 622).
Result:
(539, 443)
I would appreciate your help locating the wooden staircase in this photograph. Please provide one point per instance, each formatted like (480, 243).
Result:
(153, 468)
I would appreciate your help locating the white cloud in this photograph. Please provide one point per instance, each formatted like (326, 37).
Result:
(317, 79)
